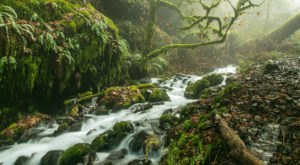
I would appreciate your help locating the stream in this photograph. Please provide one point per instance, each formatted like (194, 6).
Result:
(37, 147)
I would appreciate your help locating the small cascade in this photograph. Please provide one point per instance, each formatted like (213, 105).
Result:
(145, 122)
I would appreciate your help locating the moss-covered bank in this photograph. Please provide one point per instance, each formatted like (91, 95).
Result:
(51, 49)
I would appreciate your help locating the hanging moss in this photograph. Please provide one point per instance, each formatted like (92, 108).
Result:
(73, 48)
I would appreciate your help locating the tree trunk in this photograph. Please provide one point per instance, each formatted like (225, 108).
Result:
(286, 30)
(239, 151)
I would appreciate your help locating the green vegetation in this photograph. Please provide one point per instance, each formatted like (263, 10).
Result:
(112, 138)
(52, 49)
(194, 90)
(76, 154)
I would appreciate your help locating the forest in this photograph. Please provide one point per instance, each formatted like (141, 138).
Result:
(149, 82)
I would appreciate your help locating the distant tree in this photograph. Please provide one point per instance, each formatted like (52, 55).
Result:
(212, 29)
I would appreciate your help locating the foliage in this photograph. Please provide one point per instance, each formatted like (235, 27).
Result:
(73, 49)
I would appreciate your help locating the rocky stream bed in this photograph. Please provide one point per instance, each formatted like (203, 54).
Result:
(261, 105)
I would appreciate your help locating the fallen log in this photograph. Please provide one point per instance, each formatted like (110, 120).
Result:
(239, 151)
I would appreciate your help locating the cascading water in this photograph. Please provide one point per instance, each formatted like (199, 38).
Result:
(37, 147)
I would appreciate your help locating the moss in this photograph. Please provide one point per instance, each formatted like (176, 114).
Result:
(194, 90)
(123, 127)
(158, 95)
(102, 141)
(270, 68)
(146, 86)
(80, 52)
(75, 154)
(214, 79)
(112, 138)
(167, 119)
(122, 97)
(206, 93)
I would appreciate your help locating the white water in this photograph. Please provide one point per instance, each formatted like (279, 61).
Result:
(38, 148)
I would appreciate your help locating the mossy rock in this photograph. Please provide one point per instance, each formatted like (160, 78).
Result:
(75, 48)
(112, 138)
(270, 68)
(193, 90)
(51, 157)
(167, 120)
(15, 130)
(77, 154)
(122, 97)
(206, 93)
(214, 79)
(158, 95)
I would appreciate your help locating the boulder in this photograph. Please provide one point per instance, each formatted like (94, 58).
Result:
(193, 90)
(214, 79)
(141, 107)
(270, 68)
(22, 160)
(81, 153)
(51, 157)
(167, 120)
(116, 155)
(112, 138)
(146, 141)
(117, 98)
(158, 95)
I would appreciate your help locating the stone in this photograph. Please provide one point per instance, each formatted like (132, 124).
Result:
(116, 155)
(112, 138)
(81, 153)
(51, 157)
(141, 107)
(22, 160)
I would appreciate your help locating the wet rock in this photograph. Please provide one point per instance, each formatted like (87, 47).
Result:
(116, 155)
(193, 90)
(136, 144)
(112, 138)
(140, 162)
(51, 157)
(81, 153)
(101, 111)
(121, 97)
(146, 141)
(31, 133)
(167, 119)
(214, 79)
(22, 160)
(75, 127)
(158, 95)
(270, 68)
(4, 143)
(141, 107)
(90, 132)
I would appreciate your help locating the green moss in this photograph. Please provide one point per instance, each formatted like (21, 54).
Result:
(214, 79)
(76, 48)
(146, 86)
(270, 68)
(206, 93)
(167, 119)
(194, 90)
(122, 97)
(103, 141)
(75, 154)
(123, 127)
(158, 95)
(112, 138)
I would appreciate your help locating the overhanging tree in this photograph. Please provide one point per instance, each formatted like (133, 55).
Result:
(212, 29)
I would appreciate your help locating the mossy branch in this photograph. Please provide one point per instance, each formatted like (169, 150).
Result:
(221, 30)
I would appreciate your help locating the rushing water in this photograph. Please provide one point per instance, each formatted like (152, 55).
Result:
(36, 148)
